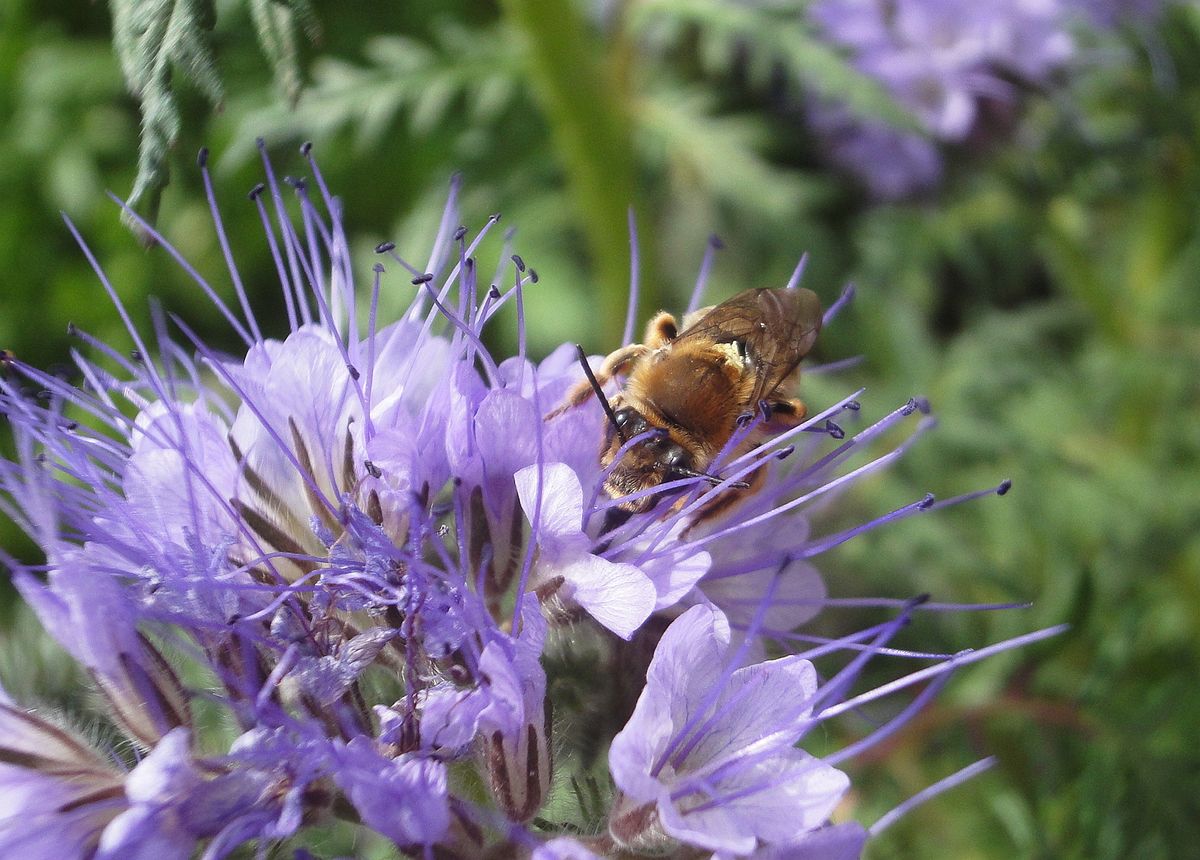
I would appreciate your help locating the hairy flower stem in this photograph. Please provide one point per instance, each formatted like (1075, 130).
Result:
(581, 96)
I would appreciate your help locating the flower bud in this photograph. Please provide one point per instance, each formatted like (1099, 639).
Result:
(519, 768)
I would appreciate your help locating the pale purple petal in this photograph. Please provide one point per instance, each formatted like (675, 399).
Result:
(562, 848)
(403, 798)
(721, 769)
(618, 596)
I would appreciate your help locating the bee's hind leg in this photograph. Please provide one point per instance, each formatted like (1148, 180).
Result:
(785, 414)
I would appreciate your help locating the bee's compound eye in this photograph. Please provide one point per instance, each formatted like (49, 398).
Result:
(630, 421)
(674, 456)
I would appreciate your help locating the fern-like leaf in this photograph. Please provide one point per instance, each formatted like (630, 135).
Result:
(154, 39)
(764, 41)
(402, 76)
(277, 23)
(718, 153)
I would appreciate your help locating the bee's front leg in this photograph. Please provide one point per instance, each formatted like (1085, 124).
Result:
(614, 365)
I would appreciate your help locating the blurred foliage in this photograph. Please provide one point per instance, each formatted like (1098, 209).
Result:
(1045, 299)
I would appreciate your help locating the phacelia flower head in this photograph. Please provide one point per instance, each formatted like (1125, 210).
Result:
(957, 67)
(365, 544)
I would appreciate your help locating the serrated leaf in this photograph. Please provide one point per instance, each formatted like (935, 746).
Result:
(765, 39)
(153, 39)
(276, 23)
(421, 79)
(718, 153)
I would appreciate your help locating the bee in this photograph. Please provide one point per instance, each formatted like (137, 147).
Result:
(694, 385)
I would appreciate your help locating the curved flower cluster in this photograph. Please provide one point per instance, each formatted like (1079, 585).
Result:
(955, 66)
(345, 578)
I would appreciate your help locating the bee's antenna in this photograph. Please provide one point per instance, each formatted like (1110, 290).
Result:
(712, 479)
(591, 377)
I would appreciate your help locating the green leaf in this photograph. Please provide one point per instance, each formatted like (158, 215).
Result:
(154, 39)
(719, 154)
(403, 75)
(767, 40)
(276, 23)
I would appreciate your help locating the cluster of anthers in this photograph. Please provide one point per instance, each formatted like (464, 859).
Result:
(368, 579)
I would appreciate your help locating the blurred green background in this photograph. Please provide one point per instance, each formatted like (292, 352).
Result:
(1045, 296)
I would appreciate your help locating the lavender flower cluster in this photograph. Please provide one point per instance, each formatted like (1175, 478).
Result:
(334, 581)
(955, 66)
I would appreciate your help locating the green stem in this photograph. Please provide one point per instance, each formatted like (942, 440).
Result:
(581, 94)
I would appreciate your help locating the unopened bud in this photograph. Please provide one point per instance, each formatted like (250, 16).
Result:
(145, 698)
(519, 768)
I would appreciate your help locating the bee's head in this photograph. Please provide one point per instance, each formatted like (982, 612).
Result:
(655, 459)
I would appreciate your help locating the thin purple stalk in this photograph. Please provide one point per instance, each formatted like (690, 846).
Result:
(834, 309)
(285, 282)
(287, 236)
(893, 725)
(489, 364)
(187, 267)
(926, 794)
(798, 272)
(839, 644)
(527, 564)
(961, 659)
(706, 264)
(834, 366)
(634, 267)
(226, 252)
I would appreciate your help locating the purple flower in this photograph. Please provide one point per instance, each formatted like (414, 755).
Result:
(890, 163)
(719, 771)
(366, 548)
(948, 63)
(619, 596)
(402, 797)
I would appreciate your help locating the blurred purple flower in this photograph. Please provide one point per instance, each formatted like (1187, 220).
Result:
(947, 63)
(369, 541)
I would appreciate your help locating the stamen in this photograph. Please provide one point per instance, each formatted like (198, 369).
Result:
(1000, 490)
(944, 785)
(798, 272)
(151, 373)
(372, 325)
(834, 309)
(540, 462)
(226, 252)
(489, 365)
(961, 659)
(187, 267)
(893, 725)
(285, 282)
(287, 236)
(828, 543)
(710, 252)
(634, 280)
(834, 366)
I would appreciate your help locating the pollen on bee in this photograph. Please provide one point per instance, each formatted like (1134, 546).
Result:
(729, 351)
